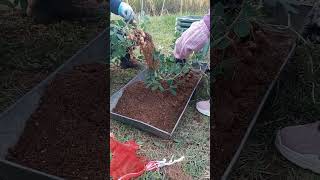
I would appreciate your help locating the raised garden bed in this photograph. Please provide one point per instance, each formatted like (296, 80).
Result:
(240, 93)
(153, 111)
(59, 129)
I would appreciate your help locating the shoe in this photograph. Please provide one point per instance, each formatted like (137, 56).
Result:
(204, 107)
(126, 62)
(301, 145)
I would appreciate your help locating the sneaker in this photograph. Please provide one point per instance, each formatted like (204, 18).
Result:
(301, 145)
(204, 107)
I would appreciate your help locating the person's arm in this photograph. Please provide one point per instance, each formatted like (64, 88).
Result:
(122, 9)
(114, 6)
(193, 39)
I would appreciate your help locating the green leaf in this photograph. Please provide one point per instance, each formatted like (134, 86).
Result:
(24, 4)
(7, 3)
(161, 88)
(242, 28)
(120, 37)
(121, 23)
(170, 82)
(185, 69)
(148, 85)
(173, 91)
(224, 43)
(248, 11)
(218, 9)
(161, 57)
(155, 87)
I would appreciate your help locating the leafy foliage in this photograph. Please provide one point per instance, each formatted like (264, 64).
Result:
(7, 3)
(119, 30)
(22, 3)
(119, 42)
(235, 20)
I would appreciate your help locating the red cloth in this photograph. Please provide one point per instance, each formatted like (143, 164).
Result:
(124, 159)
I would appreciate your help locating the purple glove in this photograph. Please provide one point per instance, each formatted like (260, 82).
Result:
(193, 39)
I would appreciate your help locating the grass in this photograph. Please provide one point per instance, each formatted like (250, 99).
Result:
(289, 104)
(154, 7)
(191, 138)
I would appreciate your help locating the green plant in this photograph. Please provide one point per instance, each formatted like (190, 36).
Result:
(22, 3)
(7, 3)
(168, 72)
(119, 42)
(232, 23)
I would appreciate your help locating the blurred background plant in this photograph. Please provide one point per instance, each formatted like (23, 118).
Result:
(161, 7)
(22, 4)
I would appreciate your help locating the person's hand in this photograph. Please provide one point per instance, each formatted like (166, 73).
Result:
(192, 40)
(126, 11)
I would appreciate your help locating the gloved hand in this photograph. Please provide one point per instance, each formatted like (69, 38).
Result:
(126, 11)
(192, 40)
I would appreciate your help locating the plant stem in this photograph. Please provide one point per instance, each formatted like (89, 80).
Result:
(232, 24)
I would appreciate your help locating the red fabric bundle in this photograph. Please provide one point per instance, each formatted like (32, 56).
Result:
(124, 160)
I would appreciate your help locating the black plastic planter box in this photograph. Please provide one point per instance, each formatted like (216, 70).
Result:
(12, 121)
(139, 124)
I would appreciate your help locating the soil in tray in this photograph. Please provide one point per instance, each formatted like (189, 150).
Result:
(252, 66)
(159, 109)
(67, 135)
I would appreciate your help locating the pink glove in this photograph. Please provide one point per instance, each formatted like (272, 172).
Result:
(192, 40)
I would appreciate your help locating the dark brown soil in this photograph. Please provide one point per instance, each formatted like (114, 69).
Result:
(238, 92)
(67, 134)
(30, 51)
(159, 109)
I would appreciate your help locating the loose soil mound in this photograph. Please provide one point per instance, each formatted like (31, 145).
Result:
(238, 92)
(67, 135)
(159, 109)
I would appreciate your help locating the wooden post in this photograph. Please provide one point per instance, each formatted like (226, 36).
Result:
(164, 1)
(181, 4)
